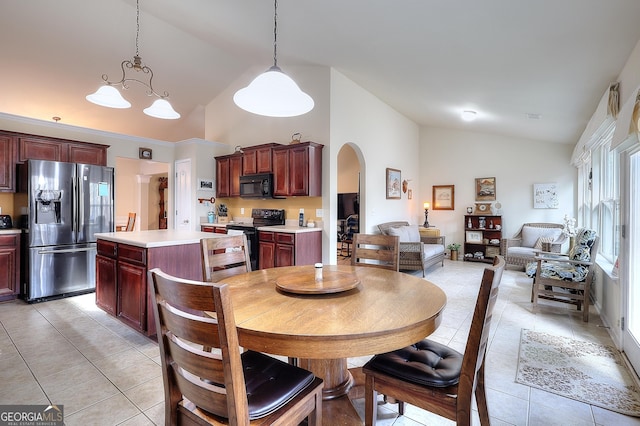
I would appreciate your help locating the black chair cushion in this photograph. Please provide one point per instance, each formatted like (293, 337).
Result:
(426, 363)
(271, 383)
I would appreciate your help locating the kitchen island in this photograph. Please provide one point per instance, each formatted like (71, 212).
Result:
(122, 263)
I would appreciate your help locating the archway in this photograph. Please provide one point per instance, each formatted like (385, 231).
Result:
(351, 197)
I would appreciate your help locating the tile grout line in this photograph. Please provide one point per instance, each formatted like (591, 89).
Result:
(120, 391)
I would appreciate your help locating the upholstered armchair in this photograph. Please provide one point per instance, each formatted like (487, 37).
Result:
(566, 278)
(521, 249)
(416, 252)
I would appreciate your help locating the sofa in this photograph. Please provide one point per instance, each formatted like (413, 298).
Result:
(416, 252)
(521, 249)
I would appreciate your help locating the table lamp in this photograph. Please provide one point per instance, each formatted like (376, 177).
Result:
(426, 215)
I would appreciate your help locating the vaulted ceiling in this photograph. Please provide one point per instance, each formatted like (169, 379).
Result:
(429, 59)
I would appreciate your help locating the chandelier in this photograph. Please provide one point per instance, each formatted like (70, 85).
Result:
(273, 93)
(108, 96)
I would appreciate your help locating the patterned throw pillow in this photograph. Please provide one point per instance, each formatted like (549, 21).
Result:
(538, 245)
(583, 242)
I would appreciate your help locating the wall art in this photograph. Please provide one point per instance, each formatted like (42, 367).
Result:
(545, 196)
(443, 197)
(394, 185)
(486, 189)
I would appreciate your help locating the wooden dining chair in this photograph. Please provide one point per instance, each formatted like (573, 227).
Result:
(224, 257)
(435, 377)
(222, 387)
(376, 250)
(131, 222)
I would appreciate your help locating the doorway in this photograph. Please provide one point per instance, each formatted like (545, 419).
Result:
(631, 265)
(143, 197)
(349, 198)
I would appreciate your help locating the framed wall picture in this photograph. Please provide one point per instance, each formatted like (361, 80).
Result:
(443, 197)
(394, 184)
(486, 189)
(473, 237)
(206, 185)
(545, 196)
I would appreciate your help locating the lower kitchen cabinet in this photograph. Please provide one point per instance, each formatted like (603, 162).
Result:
(106, 274)
(9, 266)
(122, 289)
(132, 294)
(289, 249)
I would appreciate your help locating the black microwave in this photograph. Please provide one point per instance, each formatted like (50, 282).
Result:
(256, 186)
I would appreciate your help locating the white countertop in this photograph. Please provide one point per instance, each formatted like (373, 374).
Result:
(158, 238)
(289, 229)
(10, 231)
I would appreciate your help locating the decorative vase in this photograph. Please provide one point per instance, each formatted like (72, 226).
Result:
(572, 243)
(454, 255)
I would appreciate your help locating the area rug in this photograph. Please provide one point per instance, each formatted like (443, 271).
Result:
(584, 371)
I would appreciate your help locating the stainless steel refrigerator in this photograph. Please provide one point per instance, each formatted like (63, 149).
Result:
(68, 204)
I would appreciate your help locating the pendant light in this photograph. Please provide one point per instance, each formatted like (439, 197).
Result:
(109, 96)
(273, 93)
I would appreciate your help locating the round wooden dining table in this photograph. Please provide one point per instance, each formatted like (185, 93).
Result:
(349, 312)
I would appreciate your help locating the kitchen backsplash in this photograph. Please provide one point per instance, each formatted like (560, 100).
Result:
(291, 205)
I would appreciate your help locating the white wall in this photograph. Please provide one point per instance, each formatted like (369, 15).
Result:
(450, 157)
(382, 138)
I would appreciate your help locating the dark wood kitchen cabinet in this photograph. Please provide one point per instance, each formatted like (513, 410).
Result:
(122, 289)
(41, 148)
(33, 148)
(132, 286)
(257, 159)
(289, 249)
(16, 148)
(7, 163)
(106, 274)
(297, 170)
(228, 172)
(9, 266)
(86, 153)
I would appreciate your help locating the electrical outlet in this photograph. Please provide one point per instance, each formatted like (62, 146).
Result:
(241, 210)
(318, 212)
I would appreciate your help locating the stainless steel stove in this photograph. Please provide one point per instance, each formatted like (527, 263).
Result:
(261, 217)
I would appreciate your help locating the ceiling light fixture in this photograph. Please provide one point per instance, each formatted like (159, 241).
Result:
(468, 115)
(273, 93)
(109, 96)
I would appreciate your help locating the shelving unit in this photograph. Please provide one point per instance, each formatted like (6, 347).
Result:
(483, 234)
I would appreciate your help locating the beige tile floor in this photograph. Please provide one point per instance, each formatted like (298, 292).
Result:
(70, 352)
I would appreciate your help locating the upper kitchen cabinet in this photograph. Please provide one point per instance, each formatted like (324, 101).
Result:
(228, 172)
(41, 148)
(32, 148)
(7, 163)
(18, 148)
(257, 159)
(87, 153)
(297, 170)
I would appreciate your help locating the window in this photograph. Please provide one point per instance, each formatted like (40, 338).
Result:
(599, 195)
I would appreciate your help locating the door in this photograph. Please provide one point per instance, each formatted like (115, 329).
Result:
(183, 195)
(95, 201)
(61, 270)
(630, 266)
(51, 206)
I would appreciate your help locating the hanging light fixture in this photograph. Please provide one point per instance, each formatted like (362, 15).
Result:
(273, 93)
(109, 96)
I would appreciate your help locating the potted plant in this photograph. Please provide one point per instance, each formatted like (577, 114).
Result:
(454, 247)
